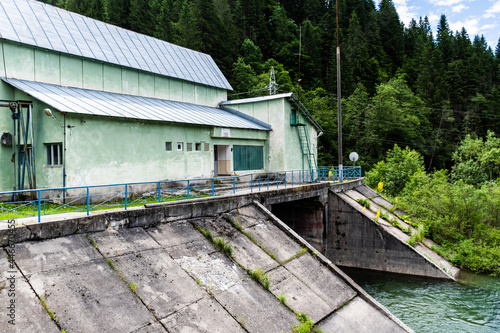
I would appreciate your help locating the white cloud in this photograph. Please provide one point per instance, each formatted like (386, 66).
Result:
(459, 8)
(405, 11)
(471, 25)
(446, 3)
(495, 9)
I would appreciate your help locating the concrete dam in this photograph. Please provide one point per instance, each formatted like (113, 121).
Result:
(257, 262)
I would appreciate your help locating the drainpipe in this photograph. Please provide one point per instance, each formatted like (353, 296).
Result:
(64, 160)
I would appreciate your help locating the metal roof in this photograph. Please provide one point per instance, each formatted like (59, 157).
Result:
(100, 103)
(39, 24)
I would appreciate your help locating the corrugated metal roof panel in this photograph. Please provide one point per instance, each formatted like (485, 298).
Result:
(100, 103)
(34, 22)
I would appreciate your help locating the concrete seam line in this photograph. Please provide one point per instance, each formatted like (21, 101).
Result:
(325, 261)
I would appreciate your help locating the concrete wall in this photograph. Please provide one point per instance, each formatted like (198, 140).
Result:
(37, 64)
(354, 240)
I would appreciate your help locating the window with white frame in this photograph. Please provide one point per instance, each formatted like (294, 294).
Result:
(54, 154)
(180, 146)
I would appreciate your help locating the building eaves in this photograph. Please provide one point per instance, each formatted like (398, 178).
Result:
(41, 25)
(100, 103)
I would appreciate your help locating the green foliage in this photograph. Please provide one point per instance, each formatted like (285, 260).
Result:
(396, 170)
(364, 203)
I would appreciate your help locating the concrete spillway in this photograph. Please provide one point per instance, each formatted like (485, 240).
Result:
(155, 270)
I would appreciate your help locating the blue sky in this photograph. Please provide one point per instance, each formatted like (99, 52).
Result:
(478, 17)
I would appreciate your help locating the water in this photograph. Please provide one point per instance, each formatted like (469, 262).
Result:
(429, 305)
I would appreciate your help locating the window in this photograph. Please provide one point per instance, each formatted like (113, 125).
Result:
(54, 154)
(189, 146)
(180, 146)
(248, 158)
(207, 147)
(197, 146)
(168, 146)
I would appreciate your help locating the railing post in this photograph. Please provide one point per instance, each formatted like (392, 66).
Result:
(277, 180)
(292, 178)
(268, 180)
(126, 196)
(159, 192)
(285, 179)
(259, 182)
(251, 183)
(88, 201)
(234, 185)
(39, 205)
(213, 187)
(188, 190)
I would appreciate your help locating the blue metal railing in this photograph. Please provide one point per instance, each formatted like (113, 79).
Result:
(48, 201)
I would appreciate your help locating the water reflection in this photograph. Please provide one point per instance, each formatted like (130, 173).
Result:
(430, 305)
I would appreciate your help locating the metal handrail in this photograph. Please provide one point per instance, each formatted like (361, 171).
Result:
(161, 191)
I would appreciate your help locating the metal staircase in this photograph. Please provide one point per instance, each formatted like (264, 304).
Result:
(305, 146)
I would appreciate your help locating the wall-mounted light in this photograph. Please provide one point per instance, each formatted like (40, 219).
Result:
(49, 113)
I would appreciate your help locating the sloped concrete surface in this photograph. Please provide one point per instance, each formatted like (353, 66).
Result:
(172, 278)
(379, 203)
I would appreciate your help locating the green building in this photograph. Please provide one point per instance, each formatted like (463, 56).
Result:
(83, 102)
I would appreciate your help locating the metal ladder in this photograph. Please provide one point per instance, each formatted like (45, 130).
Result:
(307, 154)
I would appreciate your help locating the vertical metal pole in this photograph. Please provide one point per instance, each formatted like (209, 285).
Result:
(339, 97)
(268, 180)
(277, 180)
(259, 182)
(159, 192)
(88, 200)
(213, 187)
(39, 204)
(188, 190)
(251, 183)
(292, 178)
(234, 185)
(285, 179)
(126, 196)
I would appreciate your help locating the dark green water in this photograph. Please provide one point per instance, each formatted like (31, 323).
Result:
(429, 305)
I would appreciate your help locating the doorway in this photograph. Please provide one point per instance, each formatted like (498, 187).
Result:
(222, 160)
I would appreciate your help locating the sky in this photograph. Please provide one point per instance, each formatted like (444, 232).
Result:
(478, 17)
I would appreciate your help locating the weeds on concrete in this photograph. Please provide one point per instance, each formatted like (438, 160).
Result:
(395, 223)
(306, 325)
(282, 298)
(220, 243)
(365, 203)
(418, 236)
(49, 311)
(260, 276)
(298, 254)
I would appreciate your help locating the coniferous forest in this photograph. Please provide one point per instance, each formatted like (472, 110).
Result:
(434, 93)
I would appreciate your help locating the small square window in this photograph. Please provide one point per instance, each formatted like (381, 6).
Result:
(54, 154)
(168, 146)
(189, 146)
(207, 147)
(197, 146)
(180, 146)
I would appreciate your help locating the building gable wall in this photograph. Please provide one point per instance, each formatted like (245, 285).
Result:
(36, 64)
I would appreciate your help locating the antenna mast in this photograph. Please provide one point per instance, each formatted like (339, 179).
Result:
(272, 82)
(300, 54)
(339, 97)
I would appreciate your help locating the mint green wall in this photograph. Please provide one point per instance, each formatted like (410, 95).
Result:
(103, 150)
(37, 64)
(285, 151)
(6, 166)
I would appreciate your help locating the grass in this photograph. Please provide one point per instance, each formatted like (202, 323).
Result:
(49, 208)
(219, 243)
(49, 311)
(306, 325)
(282, 298)
(365, 203)
(417, 236)
(260, 276)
